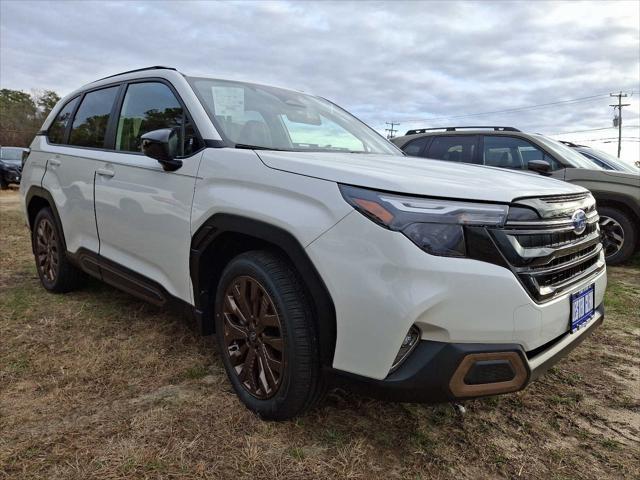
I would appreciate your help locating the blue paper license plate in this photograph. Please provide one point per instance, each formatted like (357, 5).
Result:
(582, 307)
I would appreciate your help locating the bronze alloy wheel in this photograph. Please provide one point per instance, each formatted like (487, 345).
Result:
(47, 254)
(253, 337)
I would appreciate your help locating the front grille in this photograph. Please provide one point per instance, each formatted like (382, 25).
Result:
(554, 239)
(571, 197)
(545, 252)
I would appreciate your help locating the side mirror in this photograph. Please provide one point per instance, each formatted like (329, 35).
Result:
(540, 166)
(25, 155)
(162, 145)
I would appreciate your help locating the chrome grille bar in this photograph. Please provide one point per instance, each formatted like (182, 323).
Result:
(547, 251)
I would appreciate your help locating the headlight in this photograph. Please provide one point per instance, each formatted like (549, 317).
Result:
(433, 224)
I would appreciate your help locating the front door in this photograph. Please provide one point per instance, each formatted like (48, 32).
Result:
(142, 211)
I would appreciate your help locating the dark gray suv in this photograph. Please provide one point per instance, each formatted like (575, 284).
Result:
(10, 165)
(617, 193)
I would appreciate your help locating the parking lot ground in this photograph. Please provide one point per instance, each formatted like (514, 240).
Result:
(96, 384)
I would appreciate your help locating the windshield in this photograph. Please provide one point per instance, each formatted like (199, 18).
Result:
(607, 158)
(250, 115)
(569, 155)
(11, 155)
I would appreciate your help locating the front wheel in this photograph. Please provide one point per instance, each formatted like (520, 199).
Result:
(619, 236)
(267, 336)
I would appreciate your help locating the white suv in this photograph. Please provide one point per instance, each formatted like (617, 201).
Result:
(311, 245)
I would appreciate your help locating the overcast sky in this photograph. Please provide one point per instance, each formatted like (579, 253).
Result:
(414, 62)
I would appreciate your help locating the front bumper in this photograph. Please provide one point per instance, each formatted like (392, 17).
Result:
(433, 371)
(382, 284)
(11, 176)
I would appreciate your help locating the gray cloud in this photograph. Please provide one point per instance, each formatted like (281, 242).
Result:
(382, 61)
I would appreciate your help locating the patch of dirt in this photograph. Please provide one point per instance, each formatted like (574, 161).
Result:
(168, 393)
(9, 199)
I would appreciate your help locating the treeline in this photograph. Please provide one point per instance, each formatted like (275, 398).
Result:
(22, 115)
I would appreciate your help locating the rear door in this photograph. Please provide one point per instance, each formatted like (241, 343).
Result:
(142, 211)
(75, 142)
(453, 148)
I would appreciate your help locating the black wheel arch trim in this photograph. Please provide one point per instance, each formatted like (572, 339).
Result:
(619, 198)
(39, 192)
(201, 272)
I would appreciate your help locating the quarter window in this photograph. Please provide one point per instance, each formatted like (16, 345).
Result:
(152, 106)
(90, 123)
(454, 148)
(414, 147)
(58, 128)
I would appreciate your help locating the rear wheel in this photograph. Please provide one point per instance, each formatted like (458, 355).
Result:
(267, 336)
(619, 235)
(55, 272)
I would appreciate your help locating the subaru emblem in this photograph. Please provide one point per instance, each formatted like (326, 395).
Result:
(579, 221)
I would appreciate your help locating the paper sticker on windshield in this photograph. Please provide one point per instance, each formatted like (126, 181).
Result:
(229, 102)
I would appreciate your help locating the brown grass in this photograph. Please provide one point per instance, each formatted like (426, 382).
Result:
(98, 384)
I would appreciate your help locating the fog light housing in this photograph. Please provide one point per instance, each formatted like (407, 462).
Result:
(408, 344)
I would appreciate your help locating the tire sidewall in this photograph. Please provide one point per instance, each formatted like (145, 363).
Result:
(243, 265)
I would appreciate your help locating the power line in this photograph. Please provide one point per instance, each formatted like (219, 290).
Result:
(511, 110)
(517, 109)
(593, 130)
(634, 139)
(391, 130)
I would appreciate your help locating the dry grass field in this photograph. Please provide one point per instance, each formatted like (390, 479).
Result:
(96, 384)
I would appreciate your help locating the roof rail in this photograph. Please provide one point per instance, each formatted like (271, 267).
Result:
(155, 67)
(453, 129)
(571, 144)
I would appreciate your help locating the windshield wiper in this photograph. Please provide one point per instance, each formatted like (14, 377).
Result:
(257, 147)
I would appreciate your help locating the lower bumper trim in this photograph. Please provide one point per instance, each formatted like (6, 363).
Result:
(565, 344)
(435, 371)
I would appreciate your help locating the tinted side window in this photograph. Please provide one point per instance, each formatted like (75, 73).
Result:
(512, 152)
(414, 147)
(152, 106)
(597, 161)
(90, 123)
(454, 148)
(59, 126)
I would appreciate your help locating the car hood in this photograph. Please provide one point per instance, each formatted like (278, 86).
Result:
(608, 176)
(419, 176)
(10, 163)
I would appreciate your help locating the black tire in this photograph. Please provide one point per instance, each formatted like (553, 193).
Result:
(302, 382)
(64, 277)
(612, 220)
(3, 183)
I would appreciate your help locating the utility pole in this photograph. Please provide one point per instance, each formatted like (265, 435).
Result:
(619, 107)
(391, 130)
